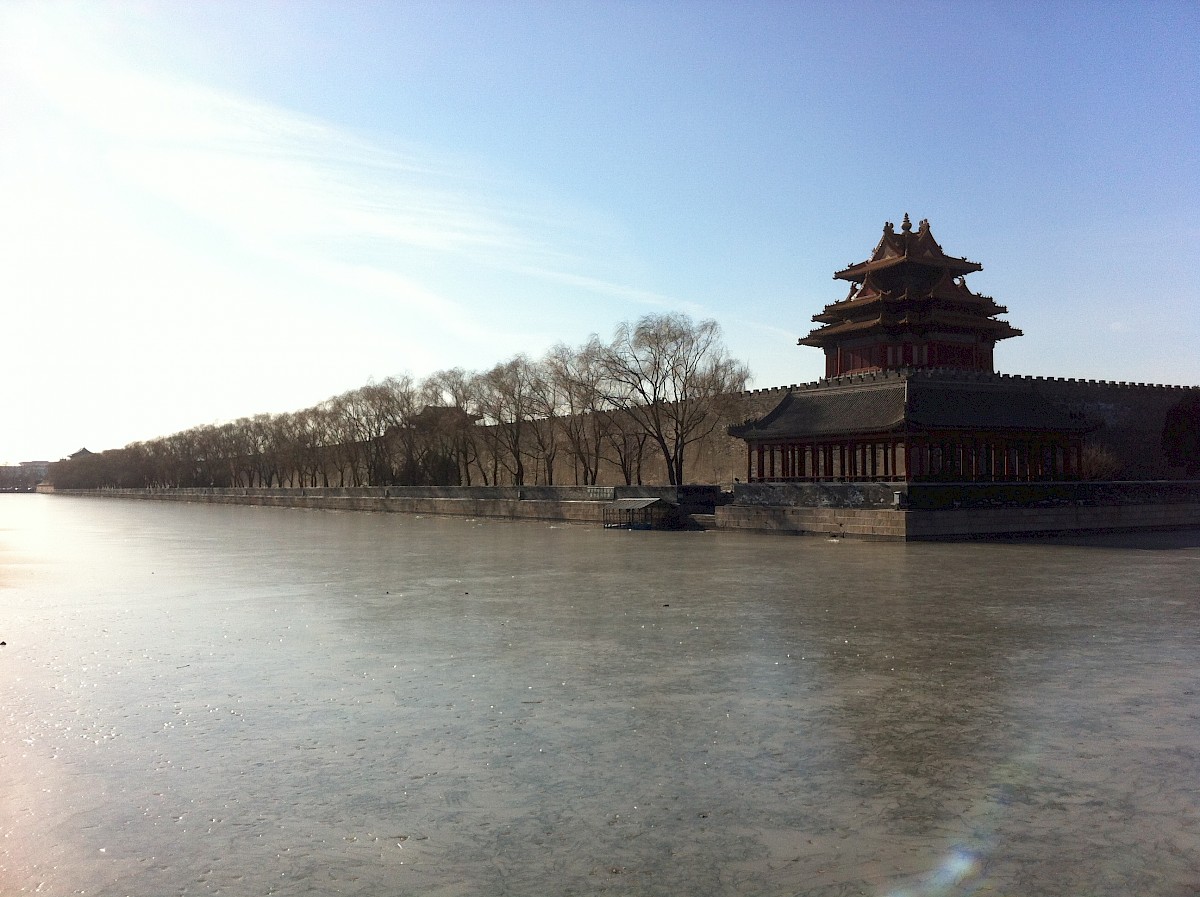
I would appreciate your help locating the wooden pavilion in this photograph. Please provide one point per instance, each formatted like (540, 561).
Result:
(909, 306)
(910, 392)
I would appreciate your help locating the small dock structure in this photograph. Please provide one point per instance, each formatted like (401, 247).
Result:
(641, 513)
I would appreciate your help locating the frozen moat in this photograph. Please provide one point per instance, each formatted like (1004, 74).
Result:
(202, 699)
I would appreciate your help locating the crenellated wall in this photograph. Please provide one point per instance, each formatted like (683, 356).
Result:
(1129, 419)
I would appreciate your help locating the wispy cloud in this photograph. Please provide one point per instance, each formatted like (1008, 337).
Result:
(616, 290)
(311, 196)
(304, 192)
(269, 175)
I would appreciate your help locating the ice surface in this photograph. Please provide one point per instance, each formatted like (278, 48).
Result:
(204, 700)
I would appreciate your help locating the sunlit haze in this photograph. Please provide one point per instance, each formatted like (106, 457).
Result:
(211, 210)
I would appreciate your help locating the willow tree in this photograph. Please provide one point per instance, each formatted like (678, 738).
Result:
(675, 379)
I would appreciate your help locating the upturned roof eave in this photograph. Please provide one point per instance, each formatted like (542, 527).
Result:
(858, 272)
(993, 330)
(980, 308)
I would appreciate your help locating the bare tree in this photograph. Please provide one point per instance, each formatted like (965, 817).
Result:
(626, 439)
(390, 406)
(160, 463)
(183, 449)
(664, 381)
(450, 415)
(237, 456)
(506, 400)
(345, 447)
(674, 378)
(547, 404)
(291, 448)
(579, 377)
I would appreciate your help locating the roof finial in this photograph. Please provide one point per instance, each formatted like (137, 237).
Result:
(906, 226)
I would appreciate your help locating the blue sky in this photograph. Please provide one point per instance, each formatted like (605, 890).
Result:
(210, 210)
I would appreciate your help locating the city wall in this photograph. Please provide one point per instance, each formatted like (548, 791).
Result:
(1128, 419)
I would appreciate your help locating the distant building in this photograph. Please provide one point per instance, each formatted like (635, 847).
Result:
(22, 477)
(37, 468)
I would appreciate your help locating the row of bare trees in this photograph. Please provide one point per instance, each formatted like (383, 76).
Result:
(660, 385)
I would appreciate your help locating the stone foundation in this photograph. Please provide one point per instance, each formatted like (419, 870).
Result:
(948, 525)
(861, 523)
(917, 512)
(943, 511)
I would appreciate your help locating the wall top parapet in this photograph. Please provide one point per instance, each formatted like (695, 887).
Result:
(958, 375)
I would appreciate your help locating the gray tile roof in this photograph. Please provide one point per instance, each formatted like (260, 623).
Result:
(833, 411)
(906, 400)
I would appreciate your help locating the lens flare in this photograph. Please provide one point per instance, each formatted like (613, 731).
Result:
(954, 874)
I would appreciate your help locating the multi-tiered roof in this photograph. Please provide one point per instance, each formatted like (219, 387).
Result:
(909, 306)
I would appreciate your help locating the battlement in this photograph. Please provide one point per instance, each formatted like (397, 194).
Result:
(959, 375)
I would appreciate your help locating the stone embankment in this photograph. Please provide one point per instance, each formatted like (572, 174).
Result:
(918, 512)
(880, 511)
(569, 504)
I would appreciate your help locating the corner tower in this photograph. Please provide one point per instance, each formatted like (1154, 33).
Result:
(909, 306)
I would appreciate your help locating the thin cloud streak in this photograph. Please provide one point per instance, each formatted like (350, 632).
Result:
(615, 290)
(271, 178)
